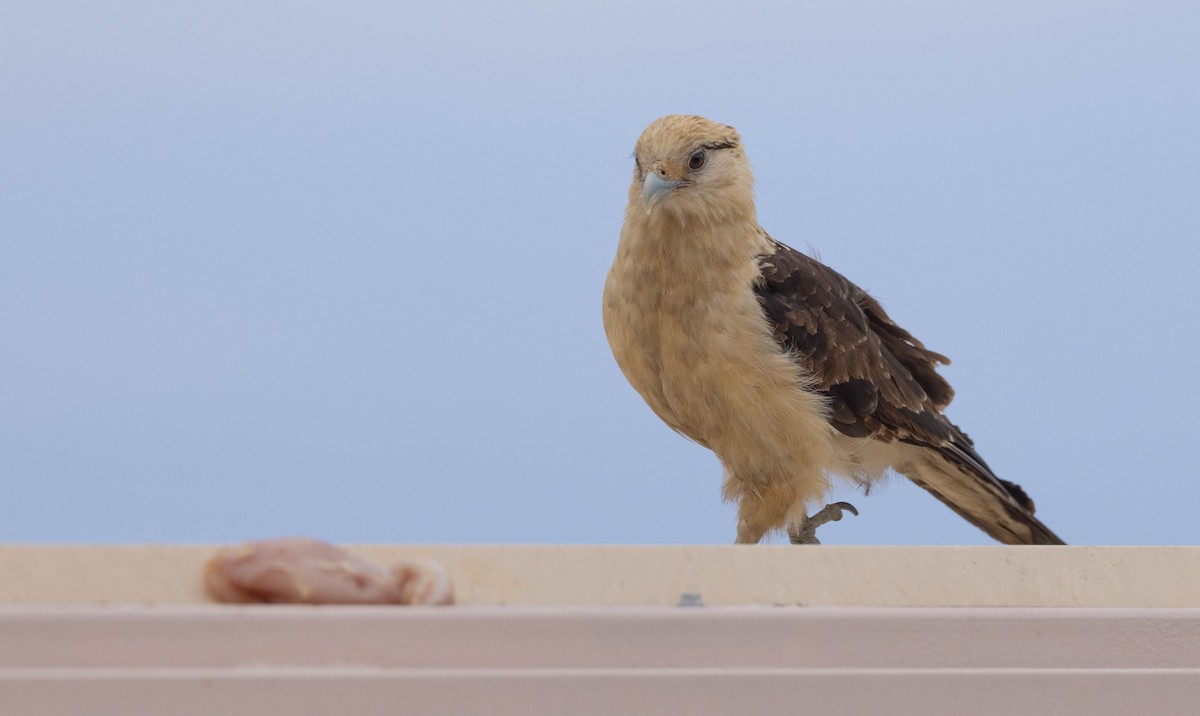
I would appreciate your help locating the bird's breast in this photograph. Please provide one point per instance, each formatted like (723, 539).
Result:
(695, 345)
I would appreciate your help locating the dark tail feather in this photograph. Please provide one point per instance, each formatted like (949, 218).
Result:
(999, 508)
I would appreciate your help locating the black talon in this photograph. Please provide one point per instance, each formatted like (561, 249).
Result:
(806, 533)
(845, 506)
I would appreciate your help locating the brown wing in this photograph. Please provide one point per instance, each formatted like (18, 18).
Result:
(881, 382)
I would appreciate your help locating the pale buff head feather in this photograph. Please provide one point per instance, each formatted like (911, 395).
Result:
(690, 169)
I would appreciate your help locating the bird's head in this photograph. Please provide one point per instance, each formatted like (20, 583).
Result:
(689, 167)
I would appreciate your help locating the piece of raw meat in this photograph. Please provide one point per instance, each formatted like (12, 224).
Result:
(301, 570)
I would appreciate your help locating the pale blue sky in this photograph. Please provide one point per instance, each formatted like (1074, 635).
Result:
(280, 268)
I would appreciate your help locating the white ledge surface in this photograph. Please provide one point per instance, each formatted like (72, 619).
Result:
(657, 576)
(595, 630)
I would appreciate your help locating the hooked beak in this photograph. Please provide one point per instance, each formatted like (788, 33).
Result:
(655, 189)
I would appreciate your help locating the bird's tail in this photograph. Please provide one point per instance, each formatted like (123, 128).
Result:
(1000, 508)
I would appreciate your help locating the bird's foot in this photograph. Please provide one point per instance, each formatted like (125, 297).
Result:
(806, 531)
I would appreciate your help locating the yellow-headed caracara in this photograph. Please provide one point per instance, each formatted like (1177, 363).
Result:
(785, 369)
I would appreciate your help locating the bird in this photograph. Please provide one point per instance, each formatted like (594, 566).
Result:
(788, 371)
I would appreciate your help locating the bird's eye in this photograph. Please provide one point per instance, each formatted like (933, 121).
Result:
(697, 159)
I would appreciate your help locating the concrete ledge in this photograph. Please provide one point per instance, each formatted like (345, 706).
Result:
(1147, 577)
(594, 630)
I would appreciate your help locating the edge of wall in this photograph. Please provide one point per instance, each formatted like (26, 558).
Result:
(533, 575)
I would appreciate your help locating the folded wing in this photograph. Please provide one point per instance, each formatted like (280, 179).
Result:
(882, 383)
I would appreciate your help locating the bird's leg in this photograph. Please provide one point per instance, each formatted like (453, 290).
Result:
(806, 531)
(756, 515)
(749, 534)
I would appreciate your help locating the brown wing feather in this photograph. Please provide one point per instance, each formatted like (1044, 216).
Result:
(880, 381)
